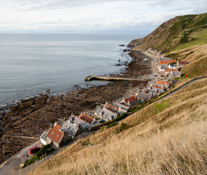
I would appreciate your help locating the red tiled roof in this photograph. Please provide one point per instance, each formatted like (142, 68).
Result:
(57, 127)
(112, 108)
(86, 118)
(167, 69)
(77, 117)
(157, 87)
(172, 61)
(125, 106)
(163, 62)
(183, 62)
(162, 82)
(130, 99)
(55, 134)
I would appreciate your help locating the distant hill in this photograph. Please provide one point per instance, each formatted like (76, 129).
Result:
(177, 33)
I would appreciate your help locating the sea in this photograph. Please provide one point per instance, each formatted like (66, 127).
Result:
(33, 63)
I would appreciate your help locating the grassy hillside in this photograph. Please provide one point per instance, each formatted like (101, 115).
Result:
(195, 38)
(197, 56)
(177, 33)
(167, 137)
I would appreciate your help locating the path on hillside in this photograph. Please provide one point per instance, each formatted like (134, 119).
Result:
(7, 168)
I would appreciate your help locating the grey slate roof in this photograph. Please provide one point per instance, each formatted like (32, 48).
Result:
(152, 92)
(135, 102)
(175, 73)
(44, 136)
(77, 120)
(121, 105)
(144, 96)
(69, 128)
(163, 65)
(107, 114)
(97, 110)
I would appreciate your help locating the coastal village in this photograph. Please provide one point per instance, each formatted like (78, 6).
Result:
(148, 117)
(68, 129)
(63, 131)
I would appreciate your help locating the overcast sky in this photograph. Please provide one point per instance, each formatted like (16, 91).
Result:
(69, 16)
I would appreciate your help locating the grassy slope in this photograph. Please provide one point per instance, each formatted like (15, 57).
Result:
(167, 137)
(196, 37)
(179, 32)
(197, 56)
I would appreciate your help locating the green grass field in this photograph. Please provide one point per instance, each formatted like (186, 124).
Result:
(197, 37)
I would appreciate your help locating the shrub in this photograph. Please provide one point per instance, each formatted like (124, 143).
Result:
(46, 150)
(85, 143)
(112, 124)
(122, 127)
(184, 38)
(122, 116)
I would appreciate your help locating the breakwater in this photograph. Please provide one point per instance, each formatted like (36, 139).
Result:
(105, 78)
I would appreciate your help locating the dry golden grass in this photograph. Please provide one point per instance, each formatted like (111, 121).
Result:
(178, 150)
(197, 56)
(169, 137)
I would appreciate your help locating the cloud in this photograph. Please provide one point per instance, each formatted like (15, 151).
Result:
(162, 3)
(39, 5)
(200, 7)
(61, 5)
(66, 15)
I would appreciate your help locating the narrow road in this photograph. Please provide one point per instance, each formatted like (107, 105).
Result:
(9, 167)
(183, 86)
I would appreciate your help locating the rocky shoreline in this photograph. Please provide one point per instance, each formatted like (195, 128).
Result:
(22, 124)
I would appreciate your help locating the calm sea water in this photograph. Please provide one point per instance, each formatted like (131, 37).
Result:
(30, 64)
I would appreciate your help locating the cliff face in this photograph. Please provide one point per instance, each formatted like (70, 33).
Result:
(135, 42)
(172, 33)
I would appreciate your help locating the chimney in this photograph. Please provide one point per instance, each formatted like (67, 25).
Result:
(80, 114)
